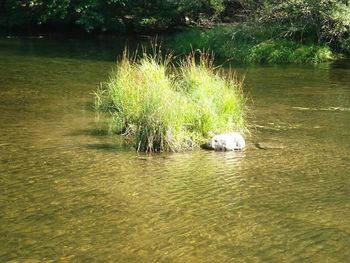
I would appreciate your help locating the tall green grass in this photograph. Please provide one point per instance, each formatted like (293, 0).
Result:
(246, 43)
(160, 105)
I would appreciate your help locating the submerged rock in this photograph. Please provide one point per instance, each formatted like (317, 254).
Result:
(268, 145)
(227, 142)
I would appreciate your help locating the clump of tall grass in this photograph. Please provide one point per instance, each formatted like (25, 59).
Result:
(160, 105)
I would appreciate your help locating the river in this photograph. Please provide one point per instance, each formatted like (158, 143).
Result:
(69, 192)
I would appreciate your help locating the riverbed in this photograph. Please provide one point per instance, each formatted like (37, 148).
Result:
(71, 192)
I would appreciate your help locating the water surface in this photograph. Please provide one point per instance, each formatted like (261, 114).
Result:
(69, 192)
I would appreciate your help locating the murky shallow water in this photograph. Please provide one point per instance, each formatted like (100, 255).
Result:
(70, 193)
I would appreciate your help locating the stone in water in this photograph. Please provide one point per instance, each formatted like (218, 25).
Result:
(227, 142)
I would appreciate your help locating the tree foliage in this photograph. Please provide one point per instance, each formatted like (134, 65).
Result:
(106, 15)
(323, 21)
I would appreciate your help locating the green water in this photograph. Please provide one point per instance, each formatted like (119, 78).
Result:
(70, 193)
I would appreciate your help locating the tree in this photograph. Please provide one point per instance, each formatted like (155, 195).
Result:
(324, 21)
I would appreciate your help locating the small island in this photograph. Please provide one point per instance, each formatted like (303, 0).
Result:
(163, 105)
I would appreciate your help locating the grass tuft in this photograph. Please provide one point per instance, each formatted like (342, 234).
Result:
(162, 106)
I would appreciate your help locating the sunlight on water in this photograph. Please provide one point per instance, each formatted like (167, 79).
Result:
(69, 192)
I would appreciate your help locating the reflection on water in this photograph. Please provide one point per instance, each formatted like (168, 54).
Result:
(70, 192)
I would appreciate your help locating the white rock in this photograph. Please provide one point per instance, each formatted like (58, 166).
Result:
(227, 142)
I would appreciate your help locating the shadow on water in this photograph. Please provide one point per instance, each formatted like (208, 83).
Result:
(97, 132)
(109, 147)
(98, 49)
(106, 141)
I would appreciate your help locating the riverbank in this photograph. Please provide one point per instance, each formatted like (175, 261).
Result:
(247, 44)
(256, 31)
(225, 42)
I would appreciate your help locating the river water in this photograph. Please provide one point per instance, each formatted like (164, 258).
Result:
(71, 193)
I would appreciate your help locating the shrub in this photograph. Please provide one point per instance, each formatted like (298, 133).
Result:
(326, 21)
(162, 107)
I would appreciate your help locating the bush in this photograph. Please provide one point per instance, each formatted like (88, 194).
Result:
(160, 107)
(326, 21)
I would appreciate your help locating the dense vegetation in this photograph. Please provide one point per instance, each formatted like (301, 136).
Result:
(246, 43)
(277, 31)
(102, 15)
(254, 31)
(160, 107)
